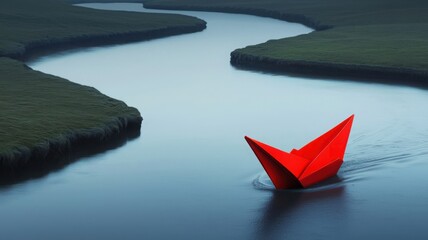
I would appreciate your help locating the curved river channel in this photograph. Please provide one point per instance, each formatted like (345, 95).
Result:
(191, 175)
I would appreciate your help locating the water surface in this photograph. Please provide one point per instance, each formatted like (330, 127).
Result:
(191, 175)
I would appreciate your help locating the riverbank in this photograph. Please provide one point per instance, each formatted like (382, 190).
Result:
(362, 73)
(27, 28)
(46, 119)
(377, 41)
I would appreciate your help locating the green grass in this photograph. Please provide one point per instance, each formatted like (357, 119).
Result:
(27, 22)
(385, 33)
(408, 49)
(36, 107)
(40, 112)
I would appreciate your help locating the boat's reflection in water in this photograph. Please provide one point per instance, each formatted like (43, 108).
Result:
(288, 212)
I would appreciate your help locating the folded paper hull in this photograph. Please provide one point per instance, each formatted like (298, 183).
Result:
(318, 160)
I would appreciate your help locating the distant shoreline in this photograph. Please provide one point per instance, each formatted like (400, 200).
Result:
(295, 18)
(361, 73)
(44, 48)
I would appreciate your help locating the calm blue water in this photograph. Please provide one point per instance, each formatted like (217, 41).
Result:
(191, 175)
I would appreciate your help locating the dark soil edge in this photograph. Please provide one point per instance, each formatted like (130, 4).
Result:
(41, 48)
(360, 73)
(23, 163)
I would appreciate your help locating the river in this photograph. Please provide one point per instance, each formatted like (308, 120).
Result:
(191, 175)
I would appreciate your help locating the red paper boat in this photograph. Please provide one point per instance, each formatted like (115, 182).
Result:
(316, 161)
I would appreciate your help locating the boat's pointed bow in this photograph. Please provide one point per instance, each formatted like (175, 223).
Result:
(350, 118)
(272, 160)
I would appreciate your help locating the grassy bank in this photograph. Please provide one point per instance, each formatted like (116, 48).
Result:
(31, 25)
(44, 118)
(378, 39)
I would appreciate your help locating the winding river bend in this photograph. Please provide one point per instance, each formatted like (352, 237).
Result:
(191, 175)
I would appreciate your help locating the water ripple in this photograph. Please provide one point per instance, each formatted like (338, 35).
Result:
(368, 153)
